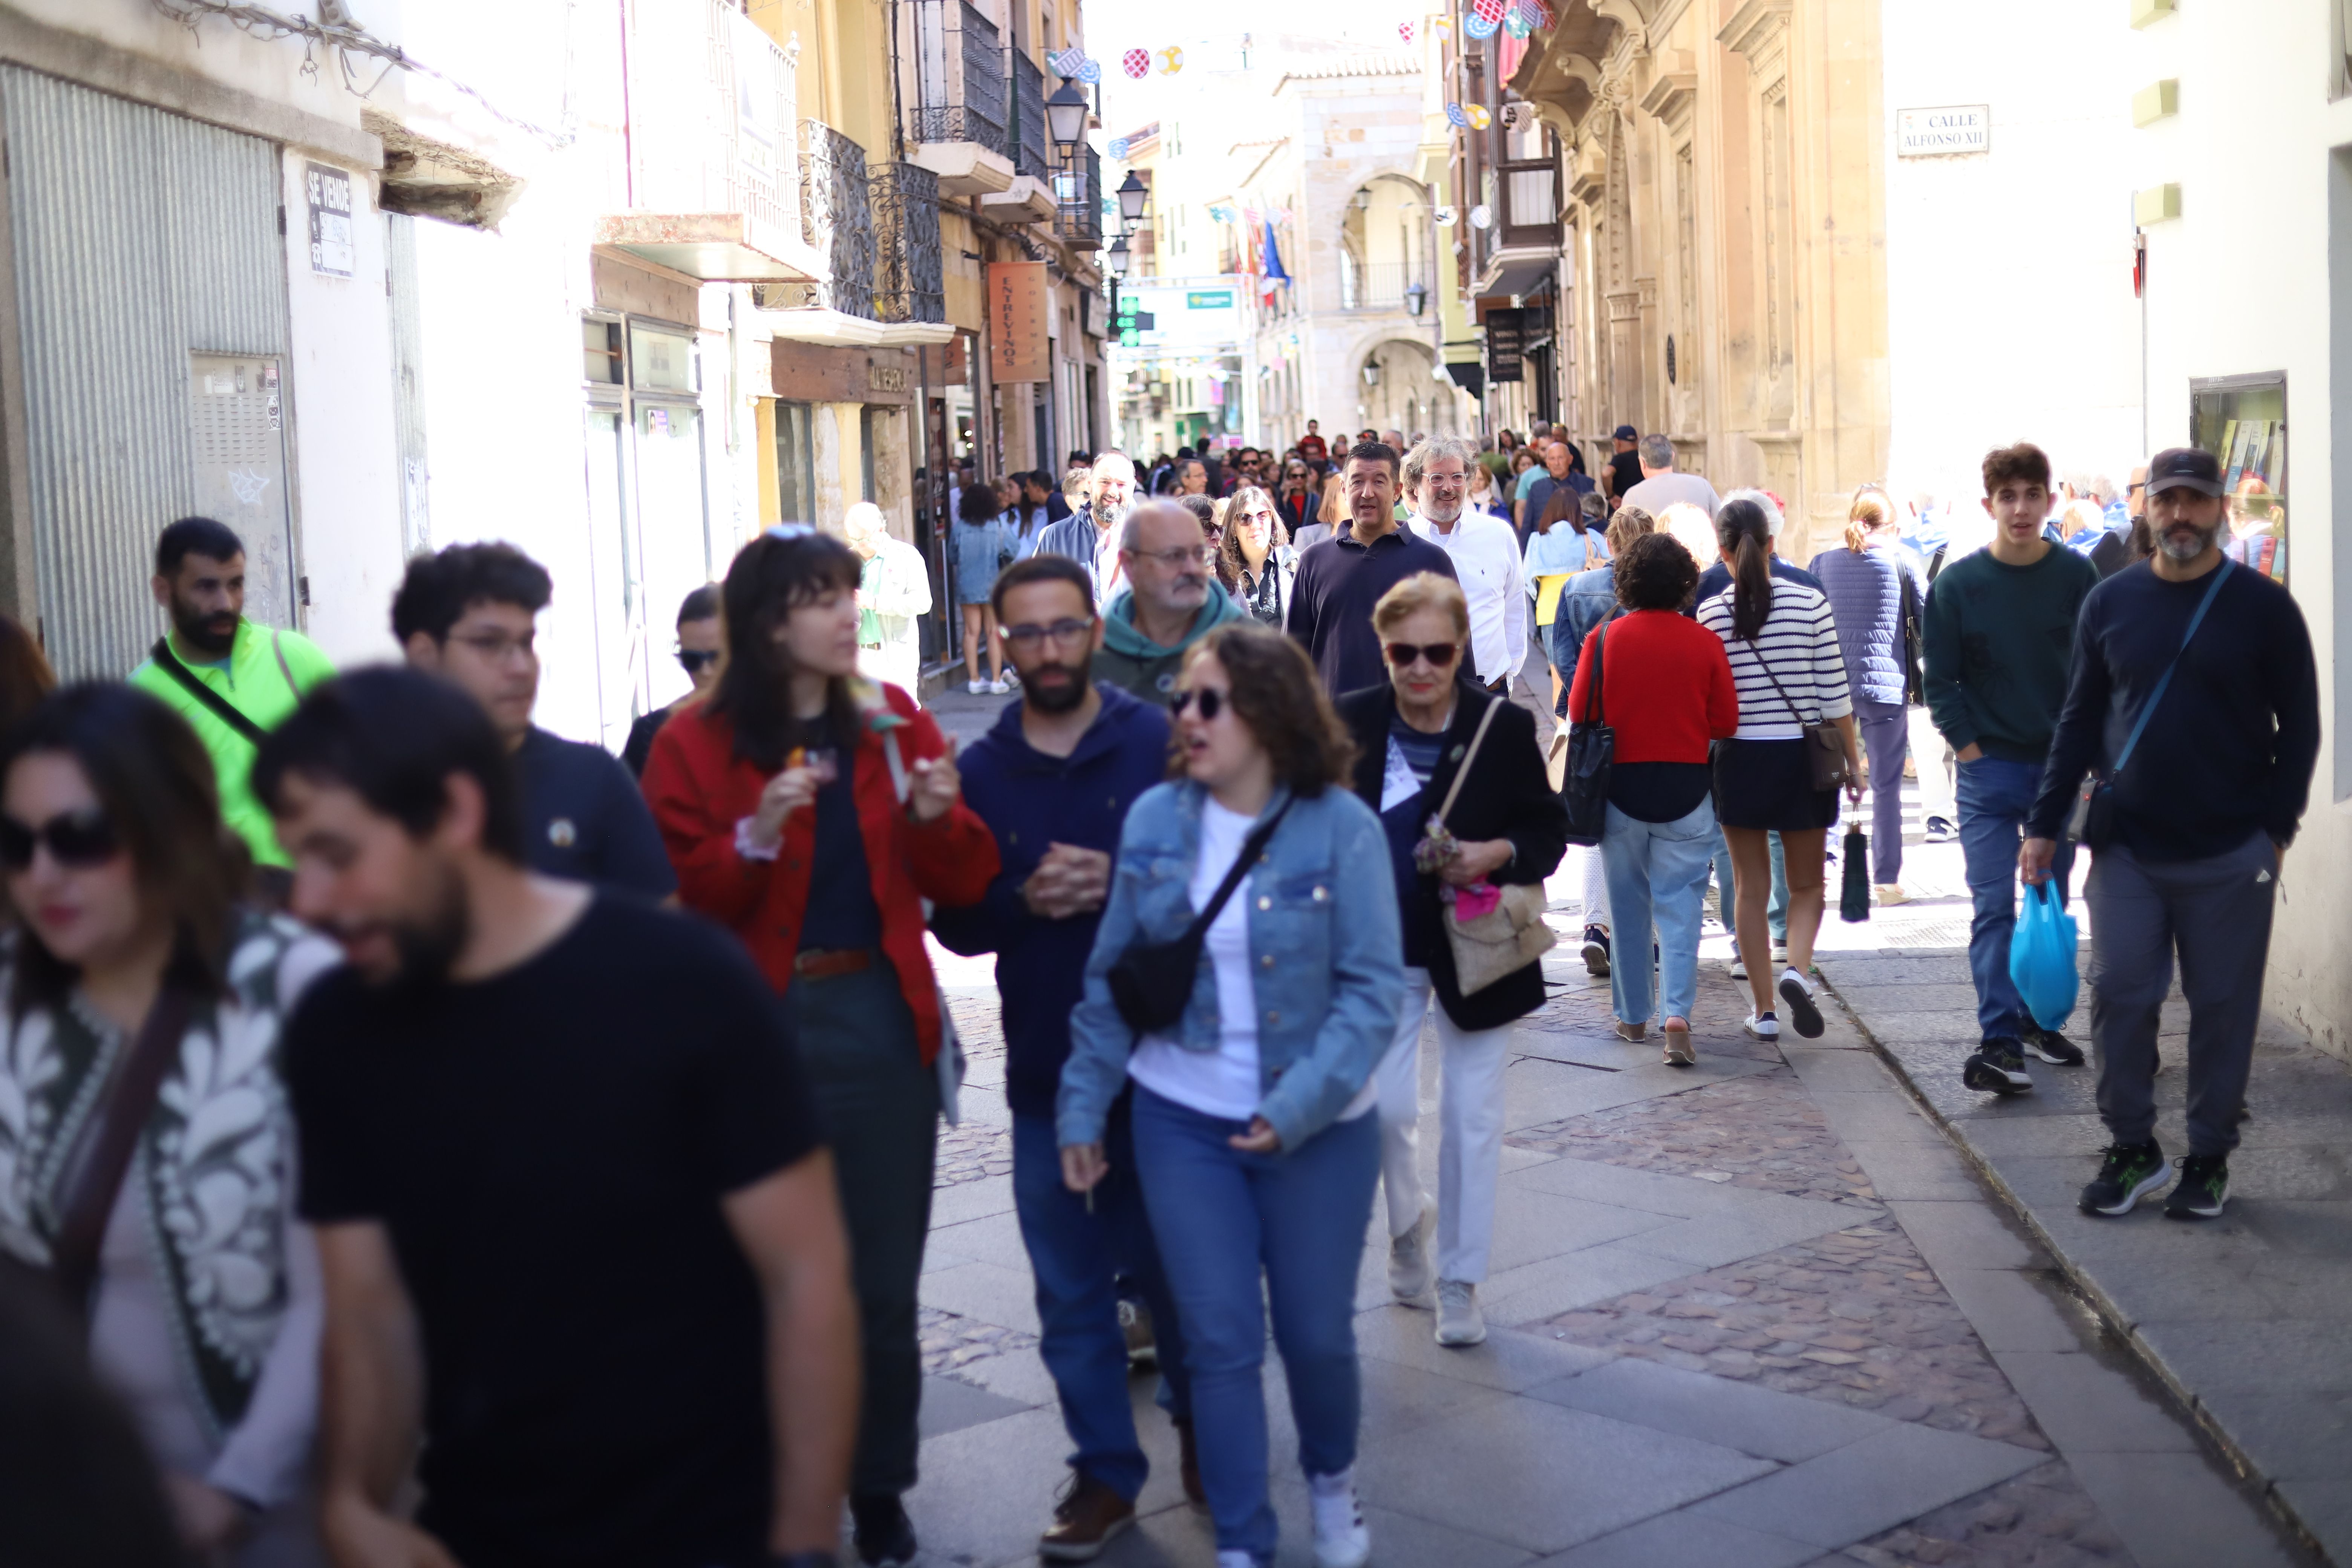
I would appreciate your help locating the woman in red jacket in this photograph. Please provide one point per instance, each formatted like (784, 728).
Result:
(1668, 694)
(813, 812)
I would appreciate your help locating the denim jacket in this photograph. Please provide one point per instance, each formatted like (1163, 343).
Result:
(1324, 944)
(1586, 600)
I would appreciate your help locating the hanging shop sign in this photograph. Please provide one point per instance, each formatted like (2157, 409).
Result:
(1020, 308)
(1507, 338)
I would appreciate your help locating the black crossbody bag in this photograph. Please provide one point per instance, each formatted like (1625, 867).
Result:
(1152, 981)
(1592, 759)
(2091, 821)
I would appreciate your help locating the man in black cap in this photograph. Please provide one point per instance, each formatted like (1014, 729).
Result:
(1625, 466)
(2195, 695)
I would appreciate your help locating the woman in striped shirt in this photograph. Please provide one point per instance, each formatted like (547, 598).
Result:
(1785, 663)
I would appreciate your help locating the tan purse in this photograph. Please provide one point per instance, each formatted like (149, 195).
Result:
(1511, 935)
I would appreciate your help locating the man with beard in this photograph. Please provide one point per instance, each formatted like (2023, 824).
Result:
(233, 682)
(1090, 535)
(1485, 553)
(1172, 600)
(1054, 781)
(572, 1210)
(471, 615)
(2195, 695)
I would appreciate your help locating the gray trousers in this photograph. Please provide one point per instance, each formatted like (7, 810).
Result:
(2217, 912)
(1886, 735)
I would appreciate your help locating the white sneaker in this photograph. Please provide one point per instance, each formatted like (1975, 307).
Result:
(1459, 1320)
(997, 687)
(1740, 969)
(1780, 952)
(1342, 1539)
(1763, 1025)
(1409, 1271)
(975, 687)
(1892, 893)
(1802, 1010)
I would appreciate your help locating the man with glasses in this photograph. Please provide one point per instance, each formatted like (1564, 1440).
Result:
(1054, 780)
(1485, 555)
(1342, 578)
(1173, 599)
(469, 615)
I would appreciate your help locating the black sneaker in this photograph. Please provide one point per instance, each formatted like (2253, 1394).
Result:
(1998, 1068)
(885, 1536)
(2053, 1047)
(2128, 1173)
(1596, 953)
(1940, 830)
(2203, 1188)
(1802, 1012)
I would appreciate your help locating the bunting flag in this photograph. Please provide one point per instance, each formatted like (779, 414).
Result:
(1516, 25)
(1538, 13)
(1441, 26)
(1455, 117)
(1136, 63)
(1090, 71)
(1479, 27)
(1067, 62)
(1171, 61)
(1490, 12)
(1118, 148)
(1479, 116)
(1404, 31)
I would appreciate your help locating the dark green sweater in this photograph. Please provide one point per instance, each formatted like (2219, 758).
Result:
(2000, 643)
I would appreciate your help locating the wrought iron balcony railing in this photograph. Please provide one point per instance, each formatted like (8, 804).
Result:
(1378, 285)
(1078, 200)
(908, 282)
(1031, 154)
(961, 85)
(837, 219)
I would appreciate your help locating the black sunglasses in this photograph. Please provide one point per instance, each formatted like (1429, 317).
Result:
(1438, 653)
(77, 840)
(693, 659)
(1211, 701)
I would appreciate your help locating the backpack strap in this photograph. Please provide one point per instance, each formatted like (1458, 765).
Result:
(220, 707)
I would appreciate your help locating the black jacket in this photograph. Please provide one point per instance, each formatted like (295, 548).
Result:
(1506, 795)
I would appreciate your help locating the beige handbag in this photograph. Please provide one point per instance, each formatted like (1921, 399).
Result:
(1508, 937)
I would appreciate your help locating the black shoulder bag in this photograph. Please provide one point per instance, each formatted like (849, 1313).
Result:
(1152, 981)
(1592, 759)
(222, 708)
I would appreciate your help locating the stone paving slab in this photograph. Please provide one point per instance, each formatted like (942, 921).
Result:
(2246, 1320)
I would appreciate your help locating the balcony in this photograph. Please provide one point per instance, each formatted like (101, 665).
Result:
(1078, 200)
(876, 232)
(714, 174)
(837, 219)
(1523, 244)
(1032, 154)
(957, 118)
(1380, 285)
(907, 284)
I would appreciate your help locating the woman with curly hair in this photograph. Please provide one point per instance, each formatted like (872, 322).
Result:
(1253, 1130)
(1255, 561)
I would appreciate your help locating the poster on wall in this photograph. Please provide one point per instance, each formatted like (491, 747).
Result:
(1020, 308)
(329, 193)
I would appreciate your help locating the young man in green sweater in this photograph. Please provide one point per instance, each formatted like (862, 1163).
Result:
(2000, 643)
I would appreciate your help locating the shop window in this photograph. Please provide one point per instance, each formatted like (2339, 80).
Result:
(795, 462)
(661, 360)
(600, 352)
(2241, 420)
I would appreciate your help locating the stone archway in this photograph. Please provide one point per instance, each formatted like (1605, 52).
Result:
(1405, 394)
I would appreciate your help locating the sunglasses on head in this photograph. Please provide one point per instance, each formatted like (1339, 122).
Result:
(1438, 654)
(692, 659)
(77, 840)
(1210, 700)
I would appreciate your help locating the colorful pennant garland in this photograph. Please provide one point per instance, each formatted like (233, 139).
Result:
(1067, 62)
(1453, 115)
(1479, 27)
(1136, 63)
(1516, 25)
(1490, 11)
(1404, 31)
(1171, 61)
(1479, 117)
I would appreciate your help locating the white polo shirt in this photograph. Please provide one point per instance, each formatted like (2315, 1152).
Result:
(1486, 553)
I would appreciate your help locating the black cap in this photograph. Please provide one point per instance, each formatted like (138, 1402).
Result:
(1625, 433)
(2184, 468)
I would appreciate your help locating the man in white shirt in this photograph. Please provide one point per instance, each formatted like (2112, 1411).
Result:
(1485, 550)
(1663, 486)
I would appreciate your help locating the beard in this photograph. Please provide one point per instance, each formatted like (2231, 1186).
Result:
(211, 634)
(1107, 516)
(2176, 550)
(429, 944)
(1058, 697)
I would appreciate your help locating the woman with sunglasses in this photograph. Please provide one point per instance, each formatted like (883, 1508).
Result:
(813, 812)
(142, 999)
(698, 655)
(1253, 1136)
(1296, 502)
(1255, 560)
(1506, 826)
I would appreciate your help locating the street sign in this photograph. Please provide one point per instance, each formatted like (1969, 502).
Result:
(1938, 133)
(1210, 299)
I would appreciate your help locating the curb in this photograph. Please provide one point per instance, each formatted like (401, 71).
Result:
(2111, 1315)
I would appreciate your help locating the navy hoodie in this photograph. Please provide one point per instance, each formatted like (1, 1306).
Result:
(1032, 801)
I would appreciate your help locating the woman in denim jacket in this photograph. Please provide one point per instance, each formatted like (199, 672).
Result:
(1252, 1135)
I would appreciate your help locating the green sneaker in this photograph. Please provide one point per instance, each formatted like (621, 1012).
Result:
(2203, 1188)
(2129, 1172)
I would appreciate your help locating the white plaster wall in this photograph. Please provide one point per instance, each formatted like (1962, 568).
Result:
(2010, 308)
(2247, 280)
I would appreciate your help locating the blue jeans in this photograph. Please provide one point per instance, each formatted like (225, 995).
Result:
(1994, 797)
(1223, 1219)
(1077, 1253)
(1658, 873)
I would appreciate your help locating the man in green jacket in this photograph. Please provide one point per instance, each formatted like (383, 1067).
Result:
(1171, 601)
(232, 682)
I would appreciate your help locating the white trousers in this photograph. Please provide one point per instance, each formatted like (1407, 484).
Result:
(1938, 789)
(1596, 886)
(1470, 1123)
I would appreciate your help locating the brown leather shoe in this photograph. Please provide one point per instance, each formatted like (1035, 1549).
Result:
(1089, 1514)
(1188, 1465)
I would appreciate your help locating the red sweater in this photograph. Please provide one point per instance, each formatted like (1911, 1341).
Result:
(699, 790)
(1669, 691)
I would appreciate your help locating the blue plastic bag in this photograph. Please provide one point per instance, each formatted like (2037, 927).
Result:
(2042, 957)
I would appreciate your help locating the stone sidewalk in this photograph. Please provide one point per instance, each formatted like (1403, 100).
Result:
(1752, 1314)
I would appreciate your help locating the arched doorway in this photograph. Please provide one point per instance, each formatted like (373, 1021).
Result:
(1398, 388)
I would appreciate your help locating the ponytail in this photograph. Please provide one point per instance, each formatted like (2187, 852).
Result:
(1740, 527)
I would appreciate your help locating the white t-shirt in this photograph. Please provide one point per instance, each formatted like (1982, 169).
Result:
(1224, 1082)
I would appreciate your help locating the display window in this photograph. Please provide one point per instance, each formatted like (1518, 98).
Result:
(2241, 420)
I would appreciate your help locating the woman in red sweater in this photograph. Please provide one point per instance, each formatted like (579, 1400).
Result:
(813, 812)
(1666, 689)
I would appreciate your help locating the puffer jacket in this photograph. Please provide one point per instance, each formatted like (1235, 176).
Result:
(1865, 594)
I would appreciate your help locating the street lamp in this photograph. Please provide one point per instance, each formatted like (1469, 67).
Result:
(1066, 118)
(1132, 194)
(1372, 373)
(1416, 297)
(1117, 257)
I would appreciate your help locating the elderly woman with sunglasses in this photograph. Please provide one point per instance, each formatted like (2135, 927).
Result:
(146, 1145)
(1413, 741)
(1253, 1133)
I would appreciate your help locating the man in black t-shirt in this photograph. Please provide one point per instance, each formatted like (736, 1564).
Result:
(569, 1197)
(1624, 469)
(470, 616)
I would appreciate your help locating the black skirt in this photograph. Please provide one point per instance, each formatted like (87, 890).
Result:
(1770, 785)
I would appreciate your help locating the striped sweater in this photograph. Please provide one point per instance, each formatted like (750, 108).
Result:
(1799, 641)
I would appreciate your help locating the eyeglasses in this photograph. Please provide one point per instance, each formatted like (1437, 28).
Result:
(497, 648)
(77, 840)
(692, 659)
(1264, 518)
(1183, 555)
(1208, 698)
(1026, 636)
(1438, 654)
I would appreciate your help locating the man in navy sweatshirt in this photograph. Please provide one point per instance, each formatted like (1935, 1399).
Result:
(1054, 781)
(2210, 667)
